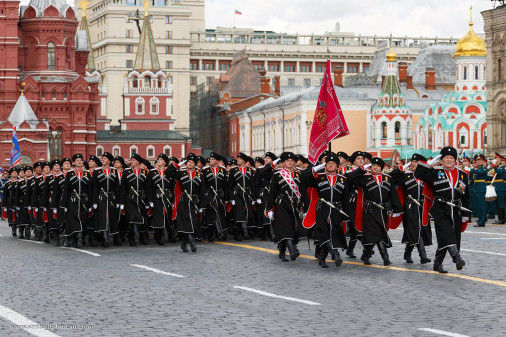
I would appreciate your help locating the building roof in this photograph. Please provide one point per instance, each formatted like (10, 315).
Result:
(41, 5)
(437, 57)
(242, 79)
(471, 44)
(141, 135)
(22, 112)
(147, 57)
(83, 26)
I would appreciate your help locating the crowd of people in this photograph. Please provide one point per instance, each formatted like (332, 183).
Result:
(339, 202)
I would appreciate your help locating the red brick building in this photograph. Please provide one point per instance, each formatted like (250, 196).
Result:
(42, 54)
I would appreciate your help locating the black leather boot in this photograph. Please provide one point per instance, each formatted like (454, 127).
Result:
(105, 240)
(500, 217)
(282, 251)
(407, 253)
(366, 255)
(21, 233)
(28, 233)
(384, 253)
(322, 257)
(131, 239)
(438, 261)
(184, 245)
(144, 238)
(91, 239)
(116, 239)
(80, 240)
(454, 253)
(351, 248)
(421, 251)
(289, 245)
(56, 238)
(193, 245)
(45, 233)
(245, 233)
(334, 253)
(236, 233)
(66, 241)
(13, 228)
(317, 249)
(159, 237)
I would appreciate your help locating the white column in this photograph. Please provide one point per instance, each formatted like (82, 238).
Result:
(390, 134)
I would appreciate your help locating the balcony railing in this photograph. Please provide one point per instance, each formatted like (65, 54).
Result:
(149, 91)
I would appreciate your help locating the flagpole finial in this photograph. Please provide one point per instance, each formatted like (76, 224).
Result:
(23, 88)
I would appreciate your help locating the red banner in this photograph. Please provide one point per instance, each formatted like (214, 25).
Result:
(328, 122)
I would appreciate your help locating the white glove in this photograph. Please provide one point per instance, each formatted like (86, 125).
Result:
(304, 215)
(271, 215)
(147, 207)
(494, 161)
(121, 207)
(259, 201)
(467, 169)
(5, 209)
(435, 160)
(233, 202)
(151, 205)
(117, 205)
(319, 167)
(95, 206)
(201, 210)
(395, 215)
(89, 210)
(55, 210)
(252, 203)
(65, 209)
(276, 161)
(44, 209)
(367, 166)
(29, 208)
(405, 167)
(182, 163)
(17, 208)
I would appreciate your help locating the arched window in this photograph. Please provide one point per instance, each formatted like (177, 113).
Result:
(476, 72)
(150, 151)
(167, 150)
(51, 56)
(147, 82)
(154, 104)
(465, 73)
(135, 82)
(429, 138)
(133, 150)
(116, 151)
(384, 130)
(397, 130)
(463, 137)
(99, 151)
(139, 106)
(55, 144)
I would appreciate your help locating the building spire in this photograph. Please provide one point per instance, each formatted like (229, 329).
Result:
(471, 16)
(84, 26)
(147, 57)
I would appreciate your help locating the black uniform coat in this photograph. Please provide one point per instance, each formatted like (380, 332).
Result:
(133, 194)
(352, 201)
(329, 222)
(159, 193)
(263, 176)
(40, 199)
(24, 190)
(215, 210)
(105, 195)
(76, 198)
(56, 201)
(243, 208)
(374, 219)
(8, 201)
(447, 219)
(51, 185)
(123, 222)
(287, 223)
(412, 217)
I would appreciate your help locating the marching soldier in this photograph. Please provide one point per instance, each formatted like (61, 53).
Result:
(216, 182)
(76, 200)
(39, 201)
(480, 174)
(22, 203)
(285, 197)
(241, 193)
(9, 198)
(500, 188)
(188, 201)
(379, 196)
(451, 198)
(51, 185)
(124, 227)
(263, 176)
(332, 202)
(159, 195)
(133, 200)
(105, 200)
(343, 163)
(90, 227)
(415, 233)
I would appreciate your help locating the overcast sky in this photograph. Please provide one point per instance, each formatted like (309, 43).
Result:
(442, 18)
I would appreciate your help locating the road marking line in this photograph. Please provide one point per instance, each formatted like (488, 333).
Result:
(38, 242)
(26, 323)
(82, 251)
(491, 233)
(481, 251)
(1, 235)
(490, 238)
(158, 271)
(441, 332)
(464, 277)
(276, 296)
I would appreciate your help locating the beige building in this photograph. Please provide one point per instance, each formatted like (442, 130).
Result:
(191, 54)
(495, 37)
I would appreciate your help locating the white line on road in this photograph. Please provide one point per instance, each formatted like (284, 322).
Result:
(25, 323)
(481, 251)
(441, 332)
(39, 242)
(491, 233)
(1, 235)
(82, 251)
(158, 271)
(276, 296)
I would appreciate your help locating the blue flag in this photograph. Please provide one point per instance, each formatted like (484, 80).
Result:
(15, 152)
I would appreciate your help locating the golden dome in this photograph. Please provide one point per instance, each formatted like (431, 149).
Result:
(471, 44)
(391, 55)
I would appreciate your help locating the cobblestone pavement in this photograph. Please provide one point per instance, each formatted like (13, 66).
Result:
(50, 285)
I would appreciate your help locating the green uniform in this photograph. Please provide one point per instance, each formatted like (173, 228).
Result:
(479, 188)
(500, 189)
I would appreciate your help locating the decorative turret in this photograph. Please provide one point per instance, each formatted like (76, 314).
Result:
(84, 26)
(147, 57)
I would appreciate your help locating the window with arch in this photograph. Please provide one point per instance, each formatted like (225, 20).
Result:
(397, 130)
(99, 151)
(55, 144)
(135, 82)
(139, 106)
(429, 138)
(147, 82)
(167, 150)
(154, 104)
(150, 151)
(51, 56)
(133, 150)
(463, 137)
(384, 130)
(116, 151)
(476, 72)
(465, 72)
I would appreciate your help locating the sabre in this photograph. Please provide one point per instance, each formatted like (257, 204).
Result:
(138, 196)
(246, 193)
(333, 206)
(105, 193)
(191, 200)
(163, 193)
(377, 205)
(78, 197)
(414, 200)
(217, 196)
(451, 204)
